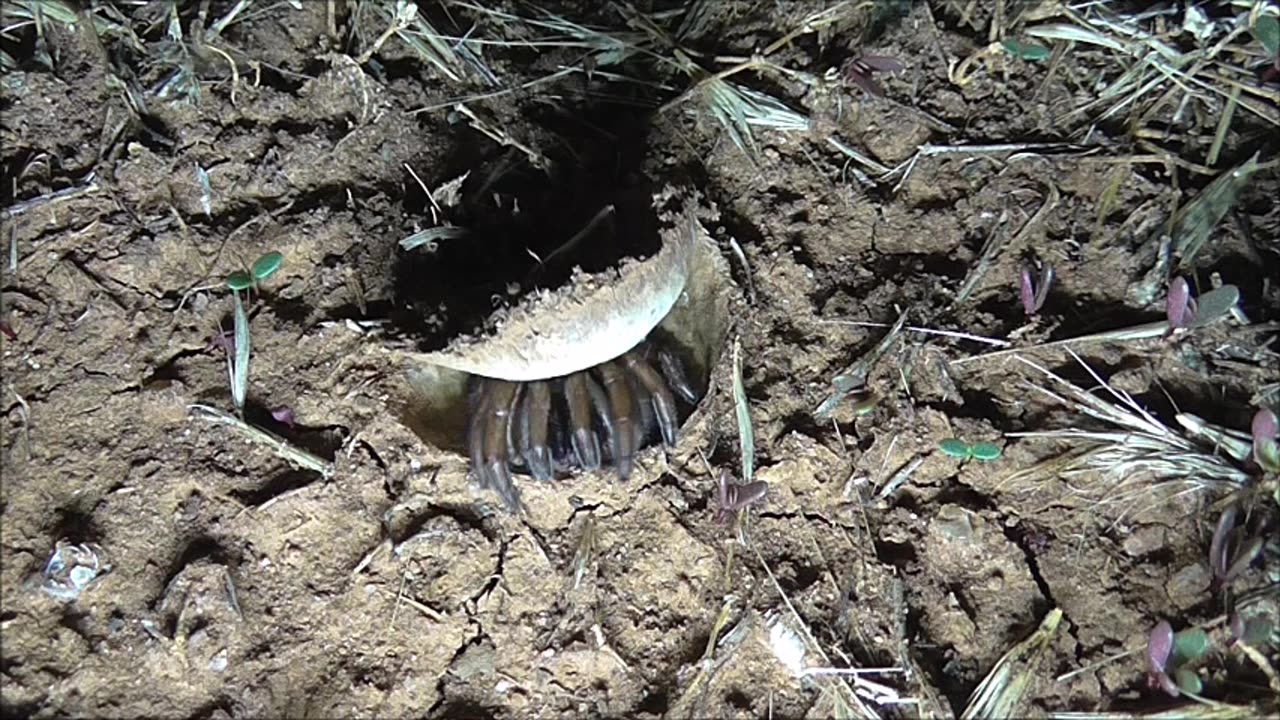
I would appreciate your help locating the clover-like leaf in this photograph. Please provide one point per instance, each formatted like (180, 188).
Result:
(239, 280)
(1188, 681)
(1189, 646)
(985, 451)
(267, 265)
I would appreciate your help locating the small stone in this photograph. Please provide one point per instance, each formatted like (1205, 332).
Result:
(219, 662)
(1188, 585)
(953, 523)
(1145, 540)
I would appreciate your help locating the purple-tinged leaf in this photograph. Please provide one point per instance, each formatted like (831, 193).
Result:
(1255, 631)
(1218, 546)
(7, 330)
(882, 63)
(1166, 683)
(1265, 425)
(859, 71)
(1243, 559)
(1179, 307)
(1236, 624)
(1027, 292)
(284, 416)
(1159, 646)
(1034, 291)
(222, 340)
(734, 497)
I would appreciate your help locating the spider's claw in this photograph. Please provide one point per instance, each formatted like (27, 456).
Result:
(500, 480)
(664, 404)
(600, 403)
(495, 445)
(673, 371)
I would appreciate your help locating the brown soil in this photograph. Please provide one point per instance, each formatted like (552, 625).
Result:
(392, 587)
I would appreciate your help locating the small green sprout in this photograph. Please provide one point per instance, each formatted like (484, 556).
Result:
(985, 451)
(239, 281)
(263, 268)
(957, 448)
(1171, 659)
(238, 357)
(266, 266)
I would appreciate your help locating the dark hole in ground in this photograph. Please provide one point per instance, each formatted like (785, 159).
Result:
(518, 217)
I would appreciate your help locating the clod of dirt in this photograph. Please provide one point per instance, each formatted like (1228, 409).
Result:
(683, 292)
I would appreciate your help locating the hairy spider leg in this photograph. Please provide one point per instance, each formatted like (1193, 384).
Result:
(503, 397)
(585, 443)
(622, 408)
(600, 404)
(677, 379)
(664, 403)
(536, 419)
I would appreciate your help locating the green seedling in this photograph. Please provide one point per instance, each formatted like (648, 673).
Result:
(985, 451)
(1025, 51)
(238, 356)
(957, 448)
(1171, 657)
(1267, 32)
(263, 268)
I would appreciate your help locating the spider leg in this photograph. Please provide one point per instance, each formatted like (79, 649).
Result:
(586, 446)
(476, 430)
(664, 403)
(677, 379)
(503, 397)
(622, 408)
(600, 403)
(536, 417)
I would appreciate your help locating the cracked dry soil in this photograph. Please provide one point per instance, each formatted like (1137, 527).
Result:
(242, 587)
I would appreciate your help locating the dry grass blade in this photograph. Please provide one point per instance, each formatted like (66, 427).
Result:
(1140, 458)
(746, 436)
(739, 109)
(855, 376)
(281, 447)
(409, 26)
(1205, 710)
(1195, 222)
(1004, 688)
(432, 236)
(1159, 66)
(793, 642)
(238, 361)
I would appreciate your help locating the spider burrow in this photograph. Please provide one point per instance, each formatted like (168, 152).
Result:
(585, 376)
